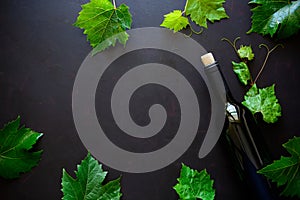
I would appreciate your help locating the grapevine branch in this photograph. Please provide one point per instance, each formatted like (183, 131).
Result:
(192, 29)
(269, 51)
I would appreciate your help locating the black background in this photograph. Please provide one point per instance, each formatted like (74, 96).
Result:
(40, 53)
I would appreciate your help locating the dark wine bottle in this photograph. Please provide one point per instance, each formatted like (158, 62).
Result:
(243, 138)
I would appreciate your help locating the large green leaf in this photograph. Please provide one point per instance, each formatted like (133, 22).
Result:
(175, 21)
(88, 183)
(242, 71)
(286, 170)
(104, 24)
(263, 101)
(16, 155)
(275, 17)
(194, 185)
(203, 10)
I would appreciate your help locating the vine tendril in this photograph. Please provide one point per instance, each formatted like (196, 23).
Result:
(265, 61)
(233, 44)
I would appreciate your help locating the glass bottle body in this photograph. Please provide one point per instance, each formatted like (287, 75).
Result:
(243, 139)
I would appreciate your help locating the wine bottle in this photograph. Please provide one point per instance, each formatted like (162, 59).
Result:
(242, 135)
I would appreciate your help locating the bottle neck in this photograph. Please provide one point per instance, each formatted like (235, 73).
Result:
(217, 82)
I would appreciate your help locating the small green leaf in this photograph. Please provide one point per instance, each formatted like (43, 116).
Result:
(16, 155)
(175, 21)
(242, 71)
(104, 24)
(275, 17)
(193, 184)
(88, 183)
(246, 52)
(286, 170)
(203, 10)
(263, 101)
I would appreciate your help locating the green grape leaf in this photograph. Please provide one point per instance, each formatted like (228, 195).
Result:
(88, 183)
(104, 24)
(242, 71)
(246, 52)
(175, 21)
(202, 10)
(275, 17)
(286, 170)
(16, 155)
(263, 101)
(193, 185)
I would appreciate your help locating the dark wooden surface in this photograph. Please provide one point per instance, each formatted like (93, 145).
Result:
(40, 53)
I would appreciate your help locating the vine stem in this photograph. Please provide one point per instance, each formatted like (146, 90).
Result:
(186, 3)
(192, 29)
(114, 2)
(265, 61)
